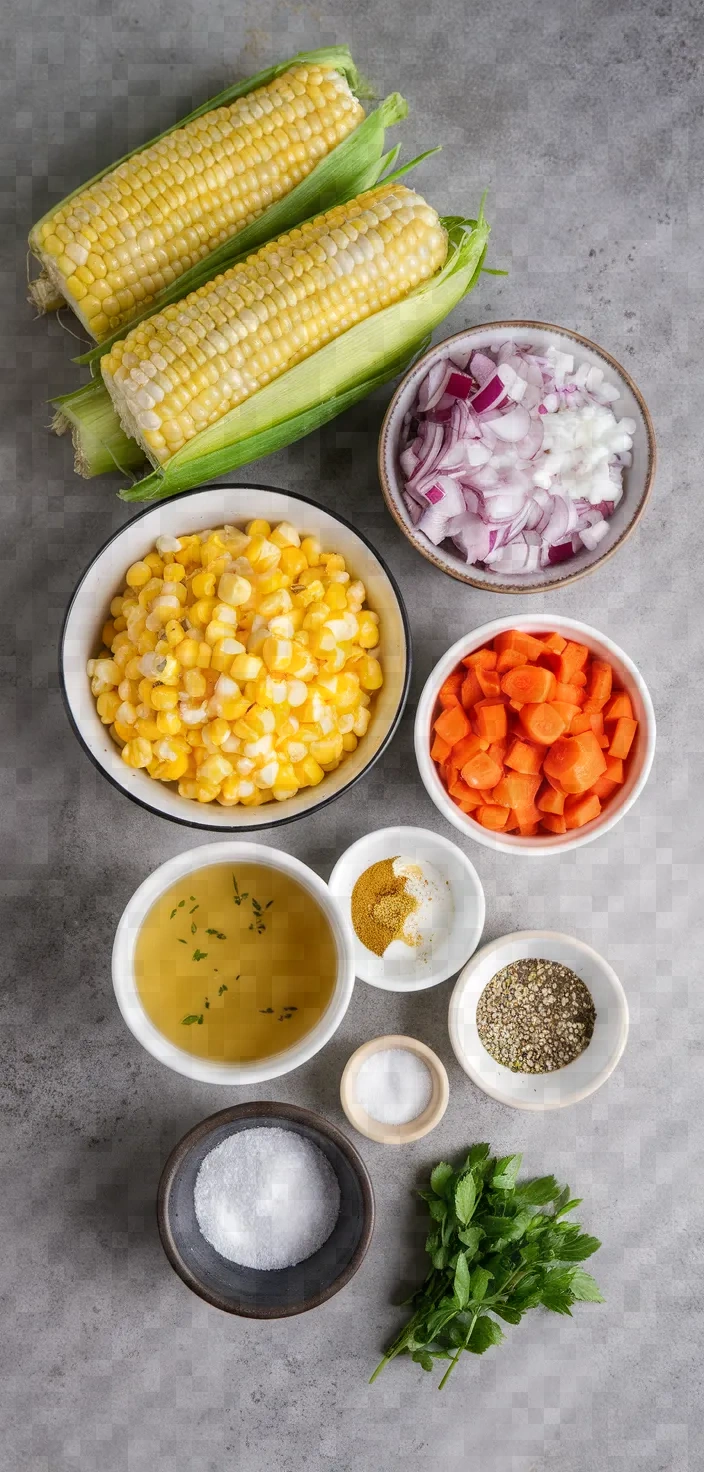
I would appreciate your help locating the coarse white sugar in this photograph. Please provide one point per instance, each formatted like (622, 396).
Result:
(394, 1086)
(266, 1198)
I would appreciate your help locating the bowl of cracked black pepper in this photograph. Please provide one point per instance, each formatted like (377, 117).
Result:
(538, 1020)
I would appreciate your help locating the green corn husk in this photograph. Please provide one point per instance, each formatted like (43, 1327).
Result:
(304, 398)
(339, 176)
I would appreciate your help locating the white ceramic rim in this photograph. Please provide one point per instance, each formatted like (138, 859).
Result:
(529, 937)
(459, 859)
(212, 504)
(395, 1134)
(479, 336)
(124, 983)
(554, 843)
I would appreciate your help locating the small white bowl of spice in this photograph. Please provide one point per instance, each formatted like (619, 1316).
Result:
(538, 1020)
(415, 904)
(394, 1090)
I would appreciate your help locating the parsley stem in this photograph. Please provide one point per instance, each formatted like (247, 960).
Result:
(460, 1351)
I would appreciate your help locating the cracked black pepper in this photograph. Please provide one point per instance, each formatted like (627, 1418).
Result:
(535, 1016)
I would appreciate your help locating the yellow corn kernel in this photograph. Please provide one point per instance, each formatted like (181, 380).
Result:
(277, 654)
(322, 642)
(137, 752)
(368, 633)
(194, 738)
(286, 778)
(138, 575)
(169, 723)
(217, 732)
(204, 791)
(309, 772)
(187, 653)
(216, 631)
(174, 572)
(335, 597)
(361, 721)
(201, 612)
(188, 788)
(258, 528)
(147, 642)
(312, 593)
(172, 771)
(149, 592)
(349, 742)
(263, 554)
(108, 705)
(203, 585)
(229, 792)
(327, 750)
(370, 675)
(173, 633)
(147, 728)
(194, 684)
(246, 667)
(205, 655)
(116, 606)
(124, 731)
(214, 770)
(233, 707)
(311, 549)
(315, 616)
(234, 589)
(108, 633)
(270, 691)
(293, 562)
(285, 535)
(334, 562)
(163, 697)
(155, 563)
(269, 582)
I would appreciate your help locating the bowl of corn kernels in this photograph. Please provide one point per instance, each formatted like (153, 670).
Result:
(235, 657)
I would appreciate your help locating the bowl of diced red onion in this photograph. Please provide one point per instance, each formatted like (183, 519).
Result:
(517, 456)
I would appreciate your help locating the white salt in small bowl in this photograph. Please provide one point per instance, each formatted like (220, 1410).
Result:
(413, 1129)
(459, 925)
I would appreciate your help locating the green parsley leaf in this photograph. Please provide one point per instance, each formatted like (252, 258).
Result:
(199, 955)
(484, 1335)
(440, 1177)
(465, 1198)
(583, 1287)
(222, 989)
(461, 1284)
(504, 1177)
(193, 1017)
(194, 927)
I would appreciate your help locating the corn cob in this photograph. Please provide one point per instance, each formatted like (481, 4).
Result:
(278, 345)
(118, 244)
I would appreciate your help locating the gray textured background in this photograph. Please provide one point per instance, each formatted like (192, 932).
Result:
(584, 121)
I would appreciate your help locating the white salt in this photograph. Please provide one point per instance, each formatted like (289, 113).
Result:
(266, 1198)
(394, 1086)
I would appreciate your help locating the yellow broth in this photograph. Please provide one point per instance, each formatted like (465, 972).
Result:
(235, 962)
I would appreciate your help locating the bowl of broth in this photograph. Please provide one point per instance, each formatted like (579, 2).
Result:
(233, 963)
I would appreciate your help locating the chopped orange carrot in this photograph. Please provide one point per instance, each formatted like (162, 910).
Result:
(566, 710)
(491, 719)
(576, 761)
(599, 687)
(553, 782)
(516, 705)
(619, 705)
(481, 659)
(614, 769)
(449, 692)
(491, 816)
(622, 739)
(510, 659)
(482, 771)
(490, 681)
(524, 757)
(550, 801)
(586, 720)
(554, 643)
(452, 725)
(603, 788)
(581, 810)
(542, 722)
(572, 660)
(569, 693)
(516, 788)
(523, 643)
(529, 683)
(512, 822)
(440, 750)
(554, 822)
(471, 691)
(498, 750)
(527, 814)
(464, 750)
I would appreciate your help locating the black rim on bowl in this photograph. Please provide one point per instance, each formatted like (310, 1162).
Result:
(324, 801)
(253, 1293)
(567, 577)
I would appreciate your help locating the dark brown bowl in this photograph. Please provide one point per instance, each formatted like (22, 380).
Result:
(254, 1293)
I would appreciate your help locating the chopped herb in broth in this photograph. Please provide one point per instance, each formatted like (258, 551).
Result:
(275, 956)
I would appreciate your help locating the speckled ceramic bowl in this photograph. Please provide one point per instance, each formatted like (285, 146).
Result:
(637, 481)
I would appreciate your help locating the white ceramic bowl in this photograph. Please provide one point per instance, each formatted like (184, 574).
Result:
(640, 759)
(124, 981)
(427, 965)
(637, 480)
(194, 511)
(566, 1085)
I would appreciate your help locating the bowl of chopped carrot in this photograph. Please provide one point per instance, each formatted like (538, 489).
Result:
(535, 734)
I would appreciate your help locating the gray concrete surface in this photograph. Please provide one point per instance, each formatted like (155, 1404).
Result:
(584, 123)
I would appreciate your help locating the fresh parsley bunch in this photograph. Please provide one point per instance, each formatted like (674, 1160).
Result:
(497, 1248)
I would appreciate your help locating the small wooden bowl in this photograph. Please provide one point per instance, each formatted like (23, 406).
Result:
(255, 1293)
(394, 1134)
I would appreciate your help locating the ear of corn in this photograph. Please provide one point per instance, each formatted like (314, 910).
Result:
(135, 229)
(350, 169)
(319, 386)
